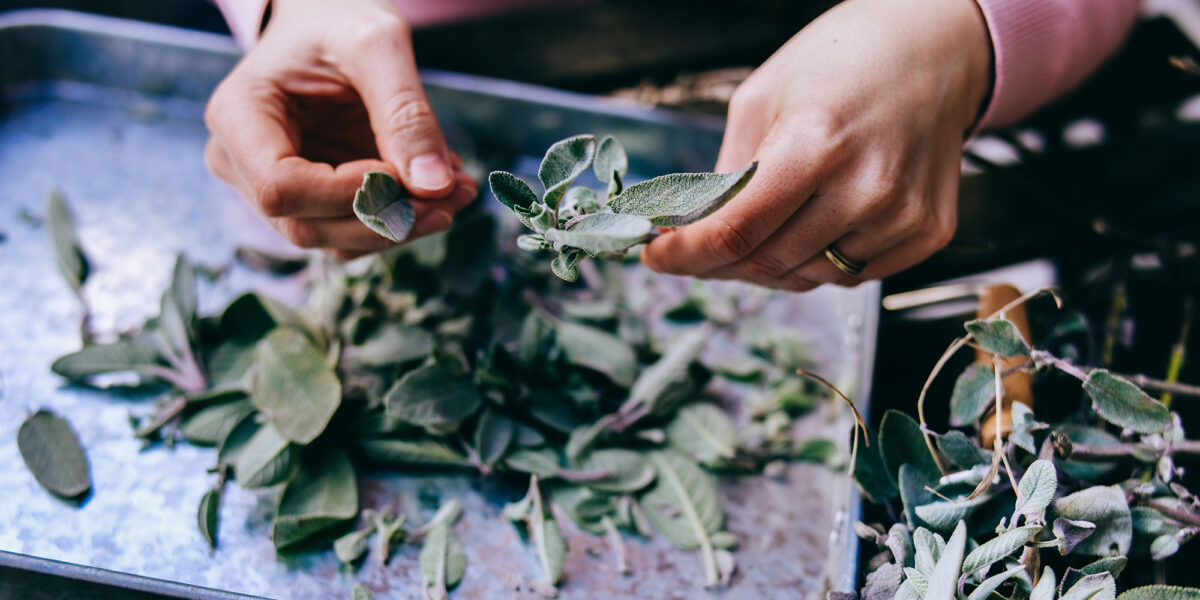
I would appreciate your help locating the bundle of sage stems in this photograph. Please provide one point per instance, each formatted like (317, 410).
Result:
(458, 353)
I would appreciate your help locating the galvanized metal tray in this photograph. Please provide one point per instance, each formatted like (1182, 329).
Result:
(109, 112)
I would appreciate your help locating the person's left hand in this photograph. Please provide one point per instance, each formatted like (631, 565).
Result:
(857, 124)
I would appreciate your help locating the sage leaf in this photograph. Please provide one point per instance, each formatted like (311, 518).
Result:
(362, 593)
(565, 266)
(630, 472)
(1091, 436)
(294, 386)
(597, 350)
(53, 454)
(962, 451)
(901, 442)
(322, 494)
(208, 515)
(564, 161)
(443, 561)
(532, 243)
(541, 462)
(263, 261)
(433, 398)
(1044, 590)
(1164, 546)
(883, 583)
(942, 516)
(393, 344)
(582, 438)
(351, 547)
(869, 471)
(267, 459)
(1069, 533)
(611, 162)
(230, 448)
(907, 592)
(664, 384)
(1037, 488)
(943, 581)
(124, 355)
(602, 232)
(1108, 564)
(999, 547)
(381, 205)
(681, 198)
(998, 336)
(927, 549)
(989, 585)
(1160, 592)
(546, 536)
(1101, 586)
(494, 434)
(580, 201)
(683, 504)
(214, 423)
(1022, 424)
(60, 223)
(914, 487)
(1107, 509)
(511, 191)
(415, 453)
(974, 391)
(177, 319)
(1121, 403)
(703, 431)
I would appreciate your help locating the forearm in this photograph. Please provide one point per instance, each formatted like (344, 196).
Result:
(1044, 48)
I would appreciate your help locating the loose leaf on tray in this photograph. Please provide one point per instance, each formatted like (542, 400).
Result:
(602, 232)
(380, 203)
(52, 451)
(267, 459)
(629, 470)
(683, 504)
(681, 198)
(60, 224)
(597, 350)
(493, 434)
(403, 452)
(998, 336)
(208, 515)
(123, 355)
(564, 161)
(661, 386)
(434, 398)
(294, 386)
(1120, 402)
(704, 431)
(323, 493)
(213, 423)
(443, 561)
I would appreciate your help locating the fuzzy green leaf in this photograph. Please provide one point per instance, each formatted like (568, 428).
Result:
(683, 504)
(294, 385)
(681, 198)
(419, 453)
(52, 452)
(323, 493)
(998, 336)
(602, 232)
(1121, 403)
(869, 471)
(999, 547)
(443, 561)
(267, 459)
(901, 442)
(989, 585)
(542, 462)
(974, 392)
(630, 472)
(433, 398)
(393, 344)
(116, 357)
(60, 223)
(564, 161)
(661, 386)
(493, 435)
(1107, 509)
(1044, 590)
(610, 159)
(962, 450)
(704, 431)
(565, 266)
(381, 205)
(942, 516)
(1160, 592)
(943, 581)
(351, 547)
(213, 423)
(208, 515)
(511, 191)
(597, 350)
(1037, 488)
(1101, 586)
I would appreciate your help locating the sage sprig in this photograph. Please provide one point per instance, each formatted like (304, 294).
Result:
(574, 222)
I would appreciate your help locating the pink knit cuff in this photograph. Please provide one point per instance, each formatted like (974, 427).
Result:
(1044, 48)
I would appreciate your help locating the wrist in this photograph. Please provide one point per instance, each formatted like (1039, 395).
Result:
(977, 50)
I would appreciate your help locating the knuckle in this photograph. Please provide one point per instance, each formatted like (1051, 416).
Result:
(300, 233)
(271, 199)
(387, 30)
(746, 97)
(939, 232)
(762, 266)
(728, 241)
(794, 282)
(910, 217)
(409, 113)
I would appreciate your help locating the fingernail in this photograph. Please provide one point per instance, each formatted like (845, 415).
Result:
(429, 172)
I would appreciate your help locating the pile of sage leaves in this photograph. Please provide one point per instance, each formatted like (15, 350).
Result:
(447, 354)
(1047, 511)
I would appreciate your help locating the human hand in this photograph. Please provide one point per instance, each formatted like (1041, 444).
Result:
(857, 124)
(329, 93)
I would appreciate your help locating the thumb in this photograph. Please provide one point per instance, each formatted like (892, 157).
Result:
(406, 131)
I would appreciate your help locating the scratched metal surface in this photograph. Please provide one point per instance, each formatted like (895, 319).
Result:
(110, 113)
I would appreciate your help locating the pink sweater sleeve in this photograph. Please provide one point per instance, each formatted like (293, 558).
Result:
(1043, 48)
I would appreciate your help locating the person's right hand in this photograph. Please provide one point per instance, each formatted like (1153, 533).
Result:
(331, 92)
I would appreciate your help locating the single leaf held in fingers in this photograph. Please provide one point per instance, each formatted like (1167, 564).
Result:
(381, 204)
(681, 198)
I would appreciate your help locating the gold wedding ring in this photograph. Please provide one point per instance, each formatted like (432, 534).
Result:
(842, 263)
